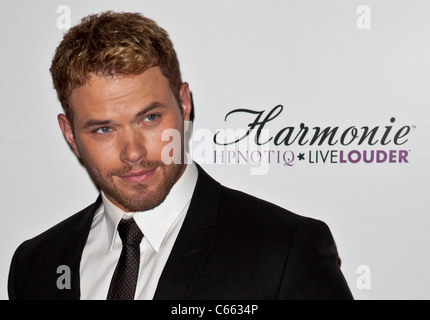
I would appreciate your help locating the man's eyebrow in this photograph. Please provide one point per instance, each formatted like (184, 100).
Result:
(152, 106)
(95, 122)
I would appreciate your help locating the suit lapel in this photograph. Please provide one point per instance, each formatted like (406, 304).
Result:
(194, 241)
(73, 249)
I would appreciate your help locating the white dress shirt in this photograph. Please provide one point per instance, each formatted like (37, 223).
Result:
(160, 227)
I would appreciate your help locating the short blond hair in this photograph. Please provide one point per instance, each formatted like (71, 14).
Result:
(112, 44)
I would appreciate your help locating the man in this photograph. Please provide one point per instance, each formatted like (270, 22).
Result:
(118, 80)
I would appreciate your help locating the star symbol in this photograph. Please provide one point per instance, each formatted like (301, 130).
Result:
(301, 156)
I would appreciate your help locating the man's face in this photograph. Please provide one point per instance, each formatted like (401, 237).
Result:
(117, 129)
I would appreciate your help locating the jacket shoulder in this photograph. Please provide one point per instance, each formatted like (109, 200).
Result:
(257, 211)
(33, 269)
(240, 211)
(61, 230)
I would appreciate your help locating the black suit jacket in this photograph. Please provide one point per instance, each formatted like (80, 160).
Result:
(231, 246)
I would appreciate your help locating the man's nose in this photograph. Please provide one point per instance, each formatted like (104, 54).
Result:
(133, 146)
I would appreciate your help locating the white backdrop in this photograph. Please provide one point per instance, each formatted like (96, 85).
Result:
(331, 63)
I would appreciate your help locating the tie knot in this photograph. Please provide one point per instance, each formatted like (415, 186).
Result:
(129, 232)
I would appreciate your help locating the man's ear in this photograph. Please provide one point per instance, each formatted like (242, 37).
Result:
(66, 128)
(184, 94)
(186, 103)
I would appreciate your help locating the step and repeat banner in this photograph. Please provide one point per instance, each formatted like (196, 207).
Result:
(321, 107)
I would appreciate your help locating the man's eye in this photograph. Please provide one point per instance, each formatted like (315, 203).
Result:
(151, 117)
(103, 130)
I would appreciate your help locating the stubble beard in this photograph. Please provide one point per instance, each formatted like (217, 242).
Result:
(138, 196)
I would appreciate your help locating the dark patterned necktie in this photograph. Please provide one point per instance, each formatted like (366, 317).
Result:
(124, 280)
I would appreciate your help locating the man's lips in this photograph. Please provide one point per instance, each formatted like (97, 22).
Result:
(137, 176)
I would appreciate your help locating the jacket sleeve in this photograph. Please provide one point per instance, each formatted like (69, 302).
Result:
(11, 279)
(311, 269)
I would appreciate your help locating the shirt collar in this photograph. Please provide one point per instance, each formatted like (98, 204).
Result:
(155, 223)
